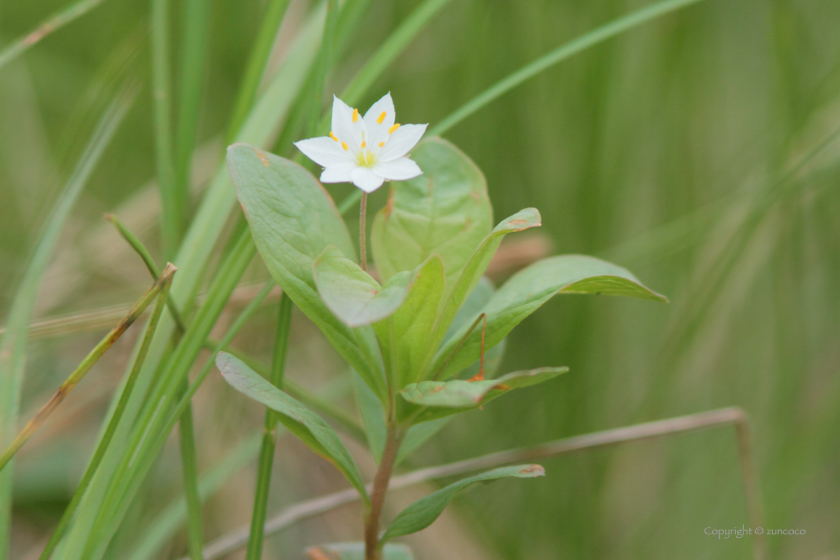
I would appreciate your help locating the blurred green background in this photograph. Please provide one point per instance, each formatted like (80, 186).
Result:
(692, 150)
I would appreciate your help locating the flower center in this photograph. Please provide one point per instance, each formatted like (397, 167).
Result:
(365, 158)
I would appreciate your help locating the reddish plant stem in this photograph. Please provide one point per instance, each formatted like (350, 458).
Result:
(362, 227)
(380, 488)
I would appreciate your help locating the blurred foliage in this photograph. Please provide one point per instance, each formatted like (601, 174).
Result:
(673, 150)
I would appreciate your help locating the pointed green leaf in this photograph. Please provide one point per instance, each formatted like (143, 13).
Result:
(303, 423)
(475, 267)
(292, 220)
(424, 511)
(356, 551)
(430, 400)
(527, 290)
(352, 294)
(443, 212)
(405, 336)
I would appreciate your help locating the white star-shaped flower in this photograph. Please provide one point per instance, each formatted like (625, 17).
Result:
(365, 151)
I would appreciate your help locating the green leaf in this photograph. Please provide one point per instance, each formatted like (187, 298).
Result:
(293, 220)
(352, 294)
(527, 290)
(436, 399)
(405, 336)
(444, 212)
(305, 424)
(424, 511)
(418, 434)
(475, 267)
(356, 551)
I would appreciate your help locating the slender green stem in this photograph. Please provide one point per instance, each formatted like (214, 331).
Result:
(57, 535)
(147, 438)
(51, 25)
(599, 35)
(193, 55)
(362, 228)
(256, 65)
(189, 461)
(172, 200)
(255, 540)
(187, 426)
(141, 250)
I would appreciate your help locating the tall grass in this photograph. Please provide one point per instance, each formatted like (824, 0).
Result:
(696, 149)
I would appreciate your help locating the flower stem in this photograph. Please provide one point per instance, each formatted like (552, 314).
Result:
(380, 488)
(362, 227)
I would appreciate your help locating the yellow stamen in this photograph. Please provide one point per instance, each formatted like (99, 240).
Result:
(364, 144)
(393, 128)
(355, 115)
(344, 145)
(382, 144)
(333, 136)
(381, 118)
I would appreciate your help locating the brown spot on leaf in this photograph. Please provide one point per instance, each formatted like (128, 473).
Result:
(262, 157)
(502, 387)
(477, 377)
(37, 35)
(532, 469)
(438, 389)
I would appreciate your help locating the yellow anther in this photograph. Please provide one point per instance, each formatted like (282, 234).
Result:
(364, 144)
(382, 144)
(344, 145)
(355, 115)
(381, 118)
(333, 136)
(393, 128)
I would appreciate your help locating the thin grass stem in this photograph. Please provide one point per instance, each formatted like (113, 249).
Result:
(195, 28)
(164, 282)
(255, 68)
(255, 540)
(172, 199)
(13, 343)
(590, 39)
(49, 26)
(639, 432)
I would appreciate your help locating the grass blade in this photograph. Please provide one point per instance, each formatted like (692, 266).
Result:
(256, 65)
(255, 540)
(90, 360)
(172, 198)
(51, 25)
(189, 463)
(193, 56)
(163, 283)
(391, 49)
(168, 521)
(599, 35)
(13, 343)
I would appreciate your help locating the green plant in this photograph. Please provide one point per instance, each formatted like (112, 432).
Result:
(413, 334)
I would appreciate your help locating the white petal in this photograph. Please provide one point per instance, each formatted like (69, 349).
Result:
(379, 132)
(399, 169)
(343, 126)
(366, 179)
(401, 141)
(323, 150)
(339, 173)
